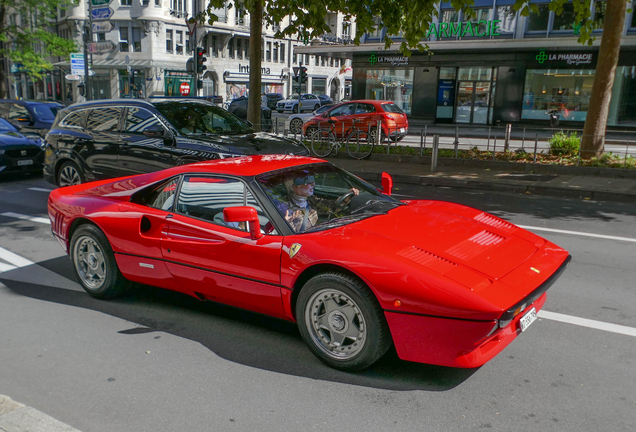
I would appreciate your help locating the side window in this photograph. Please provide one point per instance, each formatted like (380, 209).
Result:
(75, 119)
(18, 112)
(104, 119)
(162, 197)
(138, 119)
(205, 198)
(343, 110)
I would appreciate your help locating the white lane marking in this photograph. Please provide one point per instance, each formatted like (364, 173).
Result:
(584, 322)
(27, 217)
(41, 189)
(627, 239)
(16, 260)
(6, 267)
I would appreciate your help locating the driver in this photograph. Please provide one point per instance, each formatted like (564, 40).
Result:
(300, 206)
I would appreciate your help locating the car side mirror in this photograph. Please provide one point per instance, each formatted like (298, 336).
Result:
(387, 183)
(244, 214)
(155, 131)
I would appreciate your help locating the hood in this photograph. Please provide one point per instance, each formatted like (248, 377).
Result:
(438, 239)
(250, 144)
(15, 139)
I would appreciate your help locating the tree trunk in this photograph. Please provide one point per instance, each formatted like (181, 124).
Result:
(596, 120)
(254, 99)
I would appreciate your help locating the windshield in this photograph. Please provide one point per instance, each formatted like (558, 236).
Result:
(195, 118)
(322, 196)
(45, 112)
(5, 126)
(294, 96)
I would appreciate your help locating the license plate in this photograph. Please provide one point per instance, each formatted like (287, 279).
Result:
(402, 130)
(528, 319)
(25, 162)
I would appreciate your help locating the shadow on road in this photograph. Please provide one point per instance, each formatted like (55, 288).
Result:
(240, 336)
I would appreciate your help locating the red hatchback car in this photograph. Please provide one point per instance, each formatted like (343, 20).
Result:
(302, 240)
(395, 125)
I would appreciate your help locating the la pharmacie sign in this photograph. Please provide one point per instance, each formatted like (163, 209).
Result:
(569, 58)
(394, 60)
(464, 28)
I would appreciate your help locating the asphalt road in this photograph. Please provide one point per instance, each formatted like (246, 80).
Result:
(159, 361)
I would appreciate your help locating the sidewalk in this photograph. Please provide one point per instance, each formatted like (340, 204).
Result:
(567, 182)
(16, 417)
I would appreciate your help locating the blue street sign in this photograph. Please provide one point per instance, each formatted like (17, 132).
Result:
(77, 64)
(102, 13)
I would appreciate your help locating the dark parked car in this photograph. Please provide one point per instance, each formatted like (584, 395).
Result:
(19, 153)
(32, 116)
(238, 107)
(272, 99)
(325, 100)
(113, 138)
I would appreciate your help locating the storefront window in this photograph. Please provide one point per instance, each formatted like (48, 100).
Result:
(318, 86)
(392, 85)
(566, 90)
(539, 21)
(479, 73)
(622, 111)
(131, 85)
(565, 21)
(599, 13)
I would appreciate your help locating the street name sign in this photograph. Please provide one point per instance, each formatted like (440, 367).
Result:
(102, 26)
(77, 64)
(71, 77)
(101, 13)
(101, 47)
(100, 2)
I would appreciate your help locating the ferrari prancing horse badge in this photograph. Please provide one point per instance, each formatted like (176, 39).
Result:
(293, 250)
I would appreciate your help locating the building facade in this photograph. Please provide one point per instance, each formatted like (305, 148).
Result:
(495, 67)
(152, 44)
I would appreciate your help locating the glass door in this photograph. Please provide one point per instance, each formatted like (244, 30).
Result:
(473, 102)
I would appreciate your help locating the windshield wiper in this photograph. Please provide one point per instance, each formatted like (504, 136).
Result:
(373, 202)
(335, 221)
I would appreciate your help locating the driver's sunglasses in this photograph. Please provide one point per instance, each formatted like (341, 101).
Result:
(304, 181)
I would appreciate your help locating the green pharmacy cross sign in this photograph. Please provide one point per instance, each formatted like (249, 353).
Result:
(464, 28)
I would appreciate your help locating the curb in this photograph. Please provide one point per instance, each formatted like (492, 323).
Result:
(504, 187)
(16, 417)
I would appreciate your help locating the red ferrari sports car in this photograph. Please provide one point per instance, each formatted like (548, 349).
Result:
(299, 239)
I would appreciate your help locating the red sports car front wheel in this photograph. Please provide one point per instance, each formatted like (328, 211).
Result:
(342, 322)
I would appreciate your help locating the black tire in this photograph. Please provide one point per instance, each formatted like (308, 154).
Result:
(295, 109)
(94, 263)
(296, 126)
(316, 107)
(356, 319)
(359, 145)
(322, 143)
(69, 174)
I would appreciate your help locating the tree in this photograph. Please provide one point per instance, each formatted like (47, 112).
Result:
(411, 19)
(25, 39)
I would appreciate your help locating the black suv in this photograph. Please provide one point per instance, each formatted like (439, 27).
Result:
(31, 116)
(112, 138)
(273, 99)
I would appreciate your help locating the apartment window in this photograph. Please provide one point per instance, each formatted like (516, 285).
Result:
(276, 52)
(482, 14)
(565, 21)
(179, 42)
(282, 53)
(346, 30)
(306, 58)
(539, 21)
(145, 2)
(62, 13)
(123, 39)
(599, 13)
(322, 61)
(268, 53)
(126, 2)
(213, 46)
(157, 2)
(230, 48)
(377, 28)
(507, 16)
(316, 60)
(239, 49)
(449, 16)
(169, 41)
(294, 58)
(136, 39)
(247, 49)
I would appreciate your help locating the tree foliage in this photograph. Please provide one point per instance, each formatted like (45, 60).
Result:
(24, 36)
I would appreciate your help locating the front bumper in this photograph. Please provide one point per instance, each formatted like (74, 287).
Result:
(12, 161)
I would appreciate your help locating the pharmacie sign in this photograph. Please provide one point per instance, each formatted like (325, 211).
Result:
(464, 28)
(569, 58)
(394, 60)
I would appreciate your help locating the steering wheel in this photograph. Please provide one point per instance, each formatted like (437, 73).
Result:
(340, 203)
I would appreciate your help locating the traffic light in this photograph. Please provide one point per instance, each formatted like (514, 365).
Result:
(302, 75)
(201, 60)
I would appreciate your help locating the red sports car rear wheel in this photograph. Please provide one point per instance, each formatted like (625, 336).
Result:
(342, 322)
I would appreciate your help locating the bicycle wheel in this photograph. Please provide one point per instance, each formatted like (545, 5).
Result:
(359, 145)
(322, 143)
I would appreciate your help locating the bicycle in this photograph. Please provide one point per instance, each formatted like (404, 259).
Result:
(359, 144)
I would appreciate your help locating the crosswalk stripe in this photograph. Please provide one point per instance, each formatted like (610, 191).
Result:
(6, 267)
(15, 259)
(27, 217)
(584, 322)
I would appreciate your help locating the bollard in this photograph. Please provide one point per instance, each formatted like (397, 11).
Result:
(456, 145)
(507, 137)
(494, 147)
(425, 134)
(536, 143)
(488, 143)
(523, 141)
(421, 142)
(379, 135)
(434, 153)
(626, 151)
